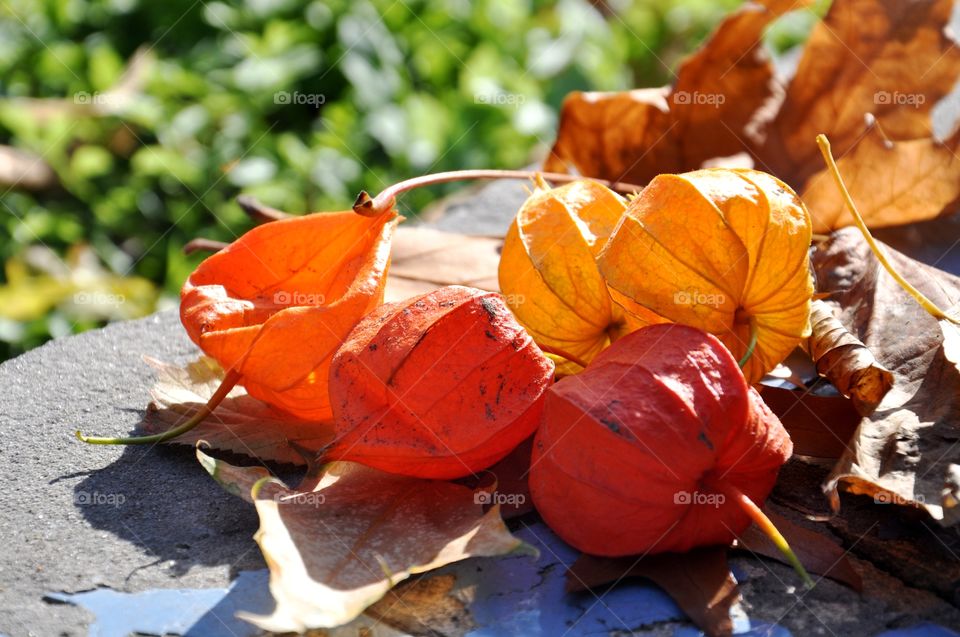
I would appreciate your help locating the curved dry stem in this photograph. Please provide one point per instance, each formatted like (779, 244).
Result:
(918, 296)
(384, 202)
(229, 382)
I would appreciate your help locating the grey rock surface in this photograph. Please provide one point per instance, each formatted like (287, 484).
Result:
(75, 517)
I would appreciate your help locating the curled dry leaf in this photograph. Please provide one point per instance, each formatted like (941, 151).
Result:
(636, 135)
(275, 304)
(548, 271)
(845, 361)
(892, 182)
(425, 606)
(722, 250)
(438, 386)
(338, 543)
(240, 424)
(906, 451)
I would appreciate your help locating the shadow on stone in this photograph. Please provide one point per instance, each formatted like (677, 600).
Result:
(161, 499)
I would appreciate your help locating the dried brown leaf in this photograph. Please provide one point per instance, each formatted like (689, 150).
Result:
(636, 135)
(622, 136)
(891, 58)
(907, 450)
(424, 259)
(733, 74)
(424, 606)
(699, 581)
(892, 183)
(819, 426)
(845, 361)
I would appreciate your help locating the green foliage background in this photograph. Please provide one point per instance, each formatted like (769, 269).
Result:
(407, 87)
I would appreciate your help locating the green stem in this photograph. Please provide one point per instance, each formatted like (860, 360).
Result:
(760, 518)
(228, 383)
(752, 344)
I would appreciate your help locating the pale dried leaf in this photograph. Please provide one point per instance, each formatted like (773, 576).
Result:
(424, 259)
(240, 424)
(339, 542)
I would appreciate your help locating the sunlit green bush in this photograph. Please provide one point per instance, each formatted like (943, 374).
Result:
(299, 103)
